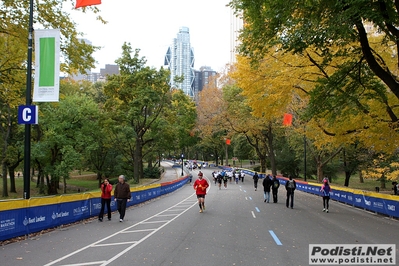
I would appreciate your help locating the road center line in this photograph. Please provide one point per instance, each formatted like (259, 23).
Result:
(278, 242)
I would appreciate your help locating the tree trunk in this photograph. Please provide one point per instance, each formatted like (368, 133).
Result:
(382, 181)
(4, 173)
(137, 160)
(52, 186)
(263, 165)
(11, 171)
(272, 157)
(361, 180)
(65, 184)
(99, 178)
(347, 177)
(216, 158)
(41, 182)
(320, 174)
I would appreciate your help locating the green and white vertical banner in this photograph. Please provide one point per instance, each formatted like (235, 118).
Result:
(47, 66)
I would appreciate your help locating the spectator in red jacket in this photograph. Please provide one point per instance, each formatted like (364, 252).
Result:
(106, 189)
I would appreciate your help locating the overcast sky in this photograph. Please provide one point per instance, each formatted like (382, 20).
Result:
(151, 25)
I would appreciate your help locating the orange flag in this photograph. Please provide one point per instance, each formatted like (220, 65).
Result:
(228, 142)
(287, 120)
(83, 3)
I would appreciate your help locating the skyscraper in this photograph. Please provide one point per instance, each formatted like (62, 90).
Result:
(180, 60)
(236, 25)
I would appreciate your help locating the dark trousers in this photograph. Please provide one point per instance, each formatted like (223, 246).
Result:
(121, 203)
(290, 194)
(256, 183)
(274, 191)
(326, 199)
(103, 202)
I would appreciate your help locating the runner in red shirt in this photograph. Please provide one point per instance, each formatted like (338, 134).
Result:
(200, 186)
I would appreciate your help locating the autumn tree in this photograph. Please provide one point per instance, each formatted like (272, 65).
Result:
(211, 124)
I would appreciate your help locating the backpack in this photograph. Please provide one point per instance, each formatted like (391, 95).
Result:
(291, 184)
(276, 184)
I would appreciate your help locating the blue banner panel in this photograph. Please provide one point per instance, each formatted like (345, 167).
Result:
(358, 201)
(391, 208)
(70, 212)
(40, 218)
(12, 223)
(95, 204)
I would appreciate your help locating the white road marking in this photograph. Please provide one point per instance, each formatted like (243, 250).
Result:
(84, 264)
(253, 214)
(155, 222)
(115, 244)
(257, 209)
(246, 198)
(137, 231)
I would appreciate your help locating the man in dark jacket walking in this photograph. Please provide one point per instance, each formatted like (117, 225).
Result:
(275, 186)
(256, 179)
(267, 183)
(122, 196)
(290, 186)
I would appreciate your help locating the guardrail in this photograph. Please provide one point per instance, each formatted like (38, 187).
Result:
(23, 217)
(371, 201)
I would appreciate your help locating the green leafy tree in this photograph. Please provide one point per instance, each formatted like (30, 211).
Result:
(66, 131)
(136, 99)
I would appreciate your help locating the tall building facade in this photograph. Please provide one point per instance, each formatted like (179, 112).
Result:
(204, 77)
(180, 60)
(236, 25)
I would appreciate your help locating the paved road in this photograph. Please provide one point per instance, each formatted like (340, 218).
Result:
(237, 228)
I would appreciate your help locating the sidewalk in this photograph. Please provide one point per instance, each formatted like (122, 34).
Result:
(170, 173)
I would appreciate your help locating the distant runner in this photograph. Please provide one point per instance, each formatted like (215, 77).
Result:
(200, 186)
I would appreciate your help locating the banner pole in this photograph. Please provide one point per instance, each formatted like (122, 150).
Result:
(27, 146)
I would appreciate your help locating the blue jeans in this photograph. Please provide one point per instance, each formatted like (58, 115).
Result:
(267, 196)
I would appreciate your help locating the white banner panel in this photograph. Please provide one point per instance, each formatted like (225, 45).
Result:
(47, 66)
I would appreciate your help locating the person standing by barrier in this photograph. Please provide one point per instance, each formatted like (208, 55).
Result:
(267, 183)
(325, 192)
(256, 179)
(275, 186)
(122, 196)
(290, 186)
(106, 189)
(200, 186)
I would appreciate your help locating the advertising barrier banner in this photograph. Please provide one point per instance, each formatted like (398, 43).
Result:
(23, 217)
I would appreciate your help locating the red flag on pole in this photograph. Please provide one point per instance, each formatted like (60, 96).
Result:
(84, 3)
(228, 142)
(287, 120)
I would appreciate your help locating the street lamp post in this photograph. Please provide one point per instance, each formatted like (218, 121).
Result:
(182, 164)
(27, 143)
(304, 154)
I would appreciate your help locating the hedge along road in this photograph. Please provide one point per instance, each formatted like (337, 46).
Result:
(237, 228)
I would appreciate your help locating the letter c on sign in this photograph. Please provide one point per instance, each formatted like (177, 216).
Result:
(26, 114)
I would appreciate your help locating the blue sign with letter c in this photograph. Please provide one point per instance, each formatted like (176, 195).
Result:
(28, 114)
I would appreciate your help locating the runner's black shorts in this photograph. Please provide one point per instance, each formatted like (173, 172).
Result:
(200, 196)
